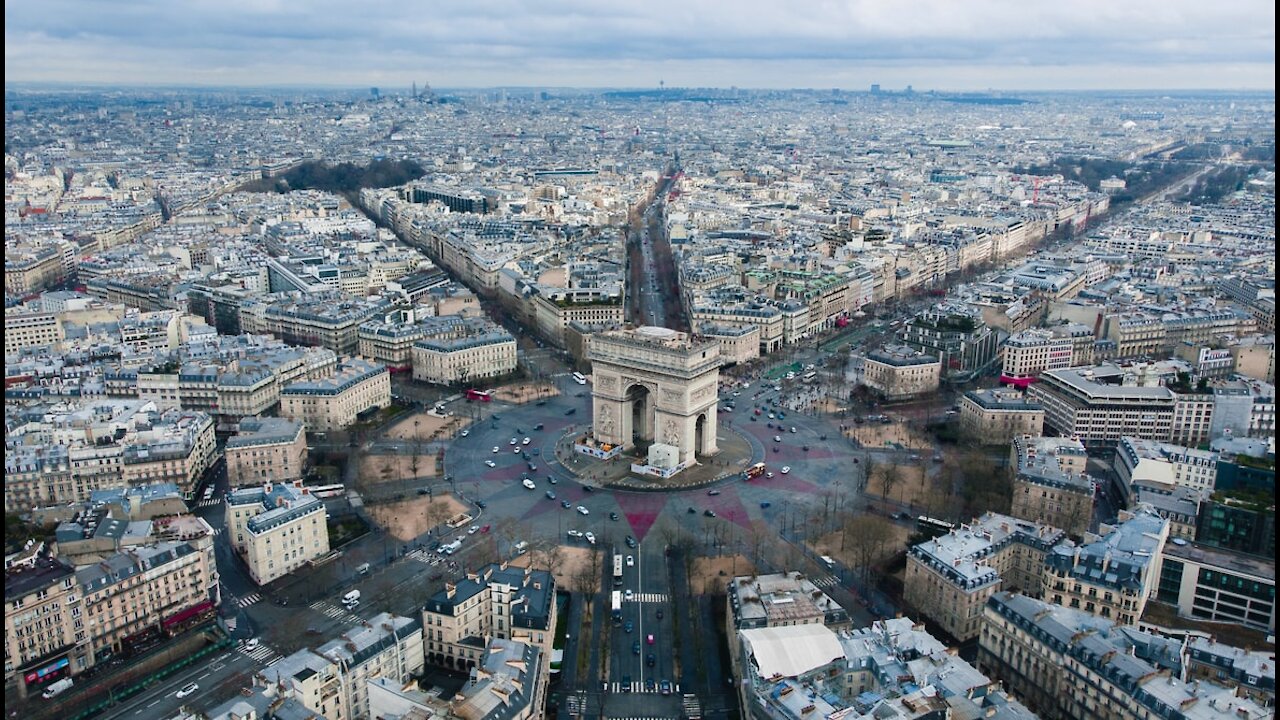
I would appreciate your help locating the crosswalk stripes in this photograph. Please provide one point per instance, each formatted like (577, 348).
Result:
(826, 581)
(692, 708)
(638, 687)
(649, 597)
(262, 653)
(333, 611)
(209, 503)
(248, 600)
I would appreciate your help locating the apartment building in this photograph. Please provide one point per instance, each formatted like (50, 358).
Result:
(1027, 354)
(949, 578)
(503, 686)
(25, 329)
(552, 314)
(738, 343)
(501, 602)
(1254, 672)
(61, 620)
(956, 335)
(60, 453)
(1164, 466)
(1076, 404)
(1136, 335)
(994, 417)
(898, 372)
(782, 599)
(1067, 664)
(1218, 585)
(1050, 485)
(385, 647)
(890, 669)
(470, 358)
(266, 449)
(276, 528)
(1112, 574)
(329, 319)
(721, 310)
(333, 403)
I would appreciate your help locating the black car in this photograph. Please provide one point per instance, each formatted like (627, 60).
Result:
(651, 660)
(650, 685)
(635, 647)
(570, 411)
(551, 479)
(481, 504)
(631, 542)
(626, 680)
(588, 488)
(659, 613)
(538, 427)
(692, 511)
(613, 516)
(709, 513)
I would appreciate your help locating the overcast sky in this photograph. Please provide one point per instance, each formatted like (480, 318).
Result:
(849, 44)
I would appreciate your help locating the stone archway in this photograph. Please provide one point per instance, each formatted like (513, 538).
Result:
(655, 384)
(642, 420)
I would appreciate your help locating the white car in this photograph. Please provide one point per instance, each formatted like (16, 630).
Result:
(515, 450)
(629, 594)
(777, 438)
(465, 433)
(768, 474)
(631, 561)
(251, 644)
(786, 469)
(529, 484)
(793, 429)
(472, 530)
(582, 510)
(513, 441)
(188, 689)
(524, 441)
(591, 538)
(490, 463)
(575, 533)
(495, 448)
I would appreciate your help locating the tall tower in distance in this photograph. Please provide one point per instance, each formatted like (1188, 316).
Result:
(373, 92)
(415, 89)
(875, 89)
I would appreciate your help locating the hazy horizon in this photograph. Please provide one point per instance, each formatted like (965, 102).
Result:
(930, 44)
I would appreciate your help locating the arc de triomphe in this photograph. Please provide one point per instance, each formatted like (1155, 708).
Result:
(658, 385)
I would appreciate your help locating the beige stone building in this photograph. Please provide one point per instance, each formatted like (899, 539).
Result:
(266, 449)
(1112, 574)
(995, 417)
(499, 602)
(333, 403)
(898, 372)
(950, 577)
(276, 528)
(1065, 664)
(553, 315)
(738, 343)
(1050, 486)
(24, 329)
(61, 621)
(1031, 352)
(465, 359)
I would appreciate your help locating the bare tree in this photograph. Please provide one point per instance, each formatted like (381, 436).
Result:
(890, 477)
(417, 449)
(866, 537)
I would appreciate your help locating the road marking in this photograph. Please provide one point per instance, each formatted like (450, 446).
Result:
(154, 702)
(203, 676)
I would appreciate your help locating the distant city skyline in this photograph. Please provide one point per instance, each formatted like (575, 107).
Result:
(932, 45)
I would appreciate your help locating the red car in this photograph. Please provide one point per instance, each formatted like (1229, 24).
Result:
(485, 528)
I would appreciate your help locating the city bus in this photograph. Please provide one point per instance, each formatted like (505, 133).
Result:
(580, 378)
(809, 377)
(617, 571)
(933, 527)
(326, 491)
(755, 471)
(616, 601)
(481, 395)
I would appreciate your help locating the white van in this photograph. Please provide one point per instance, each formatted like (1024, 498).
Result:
(363, 568)
(521, 547)
(826, 560)
(57, 688)
(351, 598)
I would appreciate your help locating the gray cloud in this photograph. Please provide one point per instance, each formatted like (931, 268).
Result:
(939, 43)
